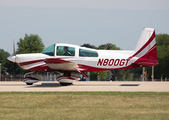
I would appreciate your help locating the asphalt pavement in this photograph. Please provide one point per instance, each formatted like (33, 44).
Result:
(86, 86)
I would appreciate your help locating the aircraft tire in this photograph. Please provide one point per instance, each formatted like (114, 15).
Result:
(65, 84)
(29, 83)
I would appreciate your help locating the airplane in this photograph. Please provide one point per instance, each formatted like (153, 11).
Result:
(68, 58)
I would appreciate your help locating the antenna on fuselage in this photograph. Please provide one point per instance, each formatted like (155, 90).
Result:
(107, 46)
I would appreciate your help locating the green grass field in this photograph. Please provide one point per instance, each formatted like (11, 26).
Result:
(84, 105)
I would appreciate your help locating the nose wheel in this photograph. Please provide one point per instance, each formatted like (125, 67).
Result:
(30, 80)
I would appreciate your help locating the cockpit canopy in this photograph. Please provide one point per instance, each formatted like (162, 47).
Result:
(49, 50)
(66, 50)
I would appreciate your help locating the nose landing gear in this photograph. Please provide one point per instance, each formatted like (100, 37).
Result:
(30, 80)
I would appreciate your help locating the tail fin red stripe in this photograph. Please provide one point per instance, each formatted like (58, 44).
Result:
(145, 45)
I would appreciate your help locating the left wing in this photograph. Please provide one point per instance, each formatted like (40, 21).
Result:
(63, 64)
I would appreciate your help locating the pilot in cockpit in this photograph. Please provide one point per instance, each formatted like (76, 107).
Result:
(67, 53)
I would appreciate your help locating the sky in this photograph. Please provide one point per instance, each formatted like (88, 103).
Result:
(96, 22)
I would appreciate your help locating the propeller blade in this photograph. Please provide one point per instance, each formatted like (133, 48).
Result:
(14, 48)
(14, 64)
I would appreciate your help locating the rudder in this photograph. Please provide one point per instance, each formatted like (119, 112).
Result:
(145, 50)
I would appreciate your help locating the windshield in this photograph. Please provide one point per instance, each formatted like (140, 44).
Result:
(50, 50)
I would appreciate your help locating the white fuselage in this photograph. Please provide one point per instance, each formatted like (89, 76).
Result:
(68, 57)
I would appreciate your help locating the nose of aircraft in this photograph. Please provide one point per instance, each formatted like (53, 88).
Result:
(12, 58)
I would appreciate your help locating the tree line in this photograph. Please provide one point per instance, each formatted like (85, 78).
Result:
(33, 44)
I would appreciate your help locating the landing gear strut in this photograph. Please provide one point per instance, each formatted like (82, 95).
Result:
(67, 74)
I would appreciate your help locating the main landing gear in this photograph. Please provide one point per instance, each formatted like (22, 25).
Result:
(65, 84)
(67, 79)
(29, 83)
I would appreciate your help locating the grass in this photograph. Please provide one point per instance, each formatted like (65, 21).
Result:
(84, 105)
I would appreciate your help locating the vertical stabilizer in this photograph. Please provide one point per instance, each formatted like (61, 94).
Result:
(147, 35)
(145, 50)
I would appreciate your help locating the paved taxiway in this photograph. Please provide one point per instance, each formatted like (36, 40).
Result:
(86, 86)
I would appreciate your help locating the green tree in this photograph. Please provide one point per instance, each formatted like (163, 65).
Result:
(109, 75)
(108, 46)
(30, 44)
(93, 76)
(101, 74)
(88, 46)
(161, 70)
(3, 59)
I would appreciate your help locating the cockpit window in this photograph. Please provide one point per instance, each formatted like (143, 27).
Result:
(65, 51)
(87, 53)
(50, 50)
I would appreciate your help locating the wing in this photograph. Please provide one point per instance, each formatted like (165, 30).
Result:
(62, 64)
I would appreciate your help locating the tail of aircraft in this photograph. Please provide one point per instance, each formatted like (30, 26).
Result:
(145, 50)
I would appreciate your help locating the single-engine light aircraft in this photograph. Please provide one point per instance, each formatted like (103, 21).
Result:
(68, 58)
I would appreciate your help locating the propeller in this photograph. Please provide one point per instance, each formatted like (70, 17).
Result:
(14, 48)
(14, 64)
